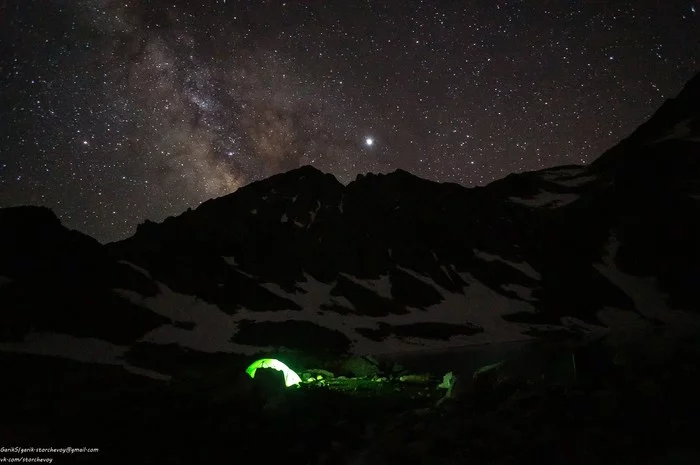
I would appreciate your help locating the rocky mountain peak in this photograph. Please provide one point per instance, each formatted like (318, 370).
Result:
(391, 261)
(676, 122)
(691, 91)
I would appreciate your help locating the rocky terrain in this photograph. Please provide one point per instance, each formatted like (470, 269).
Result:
(639, 406)
(139, 347)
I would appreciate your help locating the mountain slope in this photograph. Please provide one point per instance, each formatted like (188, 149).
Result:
(387, 263)
(56, 280)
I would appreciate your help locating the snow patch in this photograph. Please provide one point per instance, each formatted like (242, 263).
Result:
(254, 211)
(455, 309)
(681, 130)
(623, 322)
(546, 200)
(81, 349)
(314, 213)
(274, 288)
(314, 293)
(88, 350)
(416, 275)
(232, 261)
(523, 292)
(5, 280)
(485, 307)
(573, 322)
(644, 292)
(524, 267)
(570, 177)
(446, 272)
(141, 270)
(381, 286)
(577, 181)
(284, 218)
(554, 173)
(479, 306)
(176, 307)
(213, 329)
(343, 302)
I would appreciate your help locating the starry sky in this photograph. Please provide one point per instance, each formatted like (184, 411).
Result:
(114, 112)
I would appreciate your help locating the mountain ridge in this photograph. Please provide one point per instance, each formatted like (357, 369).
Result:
(388, 262)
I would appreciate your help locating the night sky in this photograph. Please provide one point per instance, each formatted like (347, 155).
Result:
(113, 112)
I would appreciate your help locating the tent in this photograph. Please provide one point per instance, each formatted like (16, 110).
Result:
(290, 377)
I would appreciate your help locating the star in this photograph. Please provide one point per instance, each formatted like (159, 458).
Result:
(201, 103)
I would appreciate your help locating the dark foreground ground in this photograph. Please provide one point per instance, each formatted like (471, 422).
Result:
(643, 411)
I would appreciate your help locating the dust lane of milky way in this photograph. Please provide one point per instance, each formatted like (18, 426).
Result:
(113, 112)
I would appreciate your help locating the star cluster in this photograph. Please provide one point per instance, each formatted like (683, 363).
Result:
(113, 112)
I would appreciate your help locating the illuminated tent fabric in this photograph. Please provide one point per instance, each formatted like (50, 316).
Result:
(290, 377)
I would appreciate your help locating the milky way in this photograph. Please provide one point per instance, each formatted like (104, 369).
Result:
(117, 112)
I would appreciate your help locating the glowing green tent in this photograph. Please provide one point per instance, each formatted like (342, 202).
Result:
(290, 378)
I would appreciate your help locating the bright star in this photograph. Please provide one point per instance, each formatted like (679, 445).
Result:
(369, 141)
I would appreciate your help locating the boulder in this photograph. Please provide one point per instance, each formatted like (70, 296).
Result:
(359, 367)
(316, 372)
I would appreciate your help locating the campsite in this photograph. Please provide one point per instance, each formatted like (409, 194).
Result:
(374, 411)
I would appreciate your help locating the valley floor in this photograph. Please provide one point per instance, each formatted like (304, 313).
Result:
(633, 414)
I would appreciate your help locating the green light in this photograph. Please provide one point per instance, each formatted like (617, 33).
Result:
(290, 377)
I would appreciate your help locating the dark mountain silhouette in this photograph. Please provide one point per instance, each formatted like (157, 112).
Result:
(386, 263)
